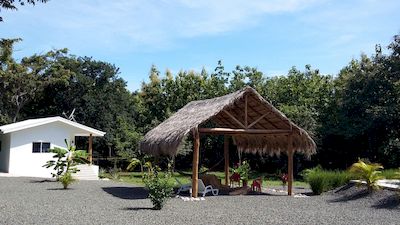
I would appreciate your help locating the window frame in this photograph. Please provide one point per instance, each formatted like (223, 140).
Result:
(41, 146)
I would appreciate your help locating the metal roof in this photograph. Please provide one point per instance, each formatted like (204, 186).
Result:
(26, 124)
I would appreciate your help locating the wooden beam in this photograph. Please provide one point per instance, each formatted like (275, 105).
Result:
(245, 111)
(90, 149)
(226, 156)
(241, 131)
(234, 118)
(257, 120)
(195, 166)
(266, 119)
(290, 164)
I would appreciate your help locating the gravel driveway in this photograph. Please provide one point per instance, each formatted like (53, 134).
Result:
(32, 201)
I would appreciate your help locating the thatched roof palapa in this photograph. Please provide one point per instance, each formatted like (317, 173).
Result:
(244, 110)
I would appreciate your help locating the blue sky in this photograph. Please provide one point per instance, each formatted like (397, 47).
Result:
(272, 35)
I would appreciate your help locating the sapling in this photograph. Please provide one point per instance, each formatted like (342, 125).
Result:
(65, 165)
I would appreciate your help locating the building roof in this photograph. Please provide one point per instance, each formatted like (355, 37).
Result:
(26, 124)
(229, 111)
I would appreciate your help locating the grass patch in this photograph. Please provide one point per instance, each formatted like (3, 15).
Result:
(391, 173)
(136, 178)
(324, 180)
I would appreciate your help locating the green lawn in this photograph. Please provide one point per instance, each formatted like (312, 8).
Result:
(136, 178)
(391, 174)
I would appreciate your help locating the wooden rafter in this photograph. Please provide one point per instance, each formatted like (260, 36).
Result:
(234, 118)
(224, 121)
(269, 121)
(257, 120)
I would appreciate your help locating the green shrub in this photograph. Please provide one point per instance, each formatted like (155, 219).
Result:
(159, 186)
(66, 179)
(324, 180)
(317, 184)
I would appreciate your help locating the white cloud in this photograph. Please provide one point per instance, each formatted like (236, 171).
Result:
(148, 24)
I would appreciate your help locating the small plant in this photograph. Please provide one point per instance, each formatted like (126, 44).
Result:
(368, 172)
(114, 173)
(243, 170)
(66, 179)
(102, 173)
(67, 160)
(159, 186)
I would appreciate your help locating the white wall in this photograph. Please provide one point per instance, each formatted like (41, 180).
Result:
(5, 152)
(25, 163)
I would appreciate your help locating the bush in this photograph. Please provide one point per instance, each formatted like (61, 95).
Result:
(159, 186)
(324, 180)
(317, 184)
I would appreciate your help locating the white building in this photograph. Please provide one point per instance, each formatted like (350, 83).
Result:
(24, 145)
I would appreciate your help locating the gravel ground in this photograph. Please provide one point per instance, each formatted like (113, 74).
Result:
(32, 201)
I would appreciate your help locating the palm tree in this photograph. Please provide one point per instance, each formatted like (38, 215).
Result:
(369, 172)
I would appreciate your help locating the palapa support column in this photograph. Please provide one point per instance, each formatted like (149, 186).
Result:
(90, 149)
(290, 164)
(195, 168)
(226, 156)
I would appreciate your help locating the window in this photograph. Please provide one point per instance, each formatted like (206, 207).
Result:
(40, 147)
(45, 146)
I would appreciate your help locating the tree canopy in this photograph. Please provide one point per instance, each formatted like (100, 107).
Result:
(351, 114)
(13, 4)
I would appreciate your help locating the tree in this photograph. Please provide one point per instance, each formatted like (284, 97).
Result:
(67, 160)
(12, 4)
(302, 96)
(126, 139)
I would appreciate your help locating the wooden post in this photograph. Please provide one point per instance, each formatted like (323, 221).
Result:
(245, 112)
(90, 149)
(290, 164)
(226, 156)
(195, 168)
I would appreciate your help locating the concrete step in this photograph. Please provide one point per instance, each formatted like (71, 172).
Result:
(87, 172)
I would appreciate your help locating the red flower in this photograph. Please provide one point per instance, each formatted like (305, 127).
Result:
(284, 178)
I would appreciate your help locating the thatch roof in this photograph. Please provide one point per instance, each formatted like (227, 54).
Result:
(167, 136)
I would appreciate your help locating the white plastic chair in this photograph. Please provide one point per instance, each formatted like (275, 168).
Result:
(205, 189)
(183, 187)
